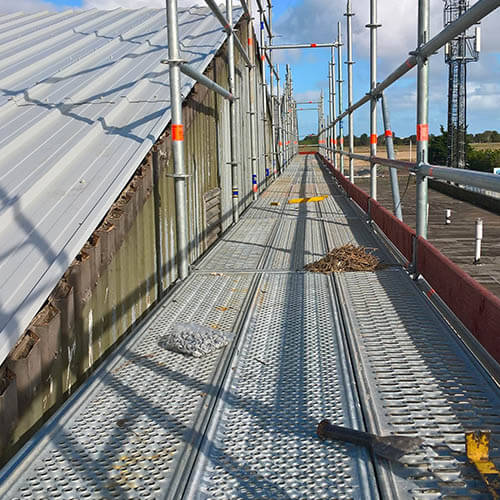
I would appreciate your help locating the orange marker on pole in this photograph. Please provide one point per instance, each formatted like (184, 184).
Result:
(422, 132)
(177, 132)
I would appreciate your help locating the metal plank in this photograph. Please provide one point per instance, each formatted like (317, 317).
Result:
(422, 381)
(128, 430)
(242, 248)
(290, 373)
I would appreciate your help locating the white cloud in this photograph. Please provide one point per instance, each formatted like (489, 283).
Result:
(316, 21)
(309, 95)
(8, 6)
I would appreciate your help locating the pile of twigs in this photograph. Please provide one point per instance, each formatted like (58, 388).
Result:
(345, 258)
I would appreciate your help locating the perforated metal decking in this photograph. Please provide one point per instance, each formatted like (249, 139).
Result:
(366, 350)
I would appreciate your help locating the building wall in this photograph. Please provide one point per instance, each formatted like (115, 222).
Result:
(114, 281)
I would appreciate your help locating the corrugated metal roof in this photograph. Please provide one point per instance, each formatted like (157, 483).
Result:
(83, 96)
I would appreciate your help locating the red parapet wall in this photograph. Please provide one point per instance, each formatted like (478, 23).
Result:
(474, 305)
(398, 232)
(358, 195)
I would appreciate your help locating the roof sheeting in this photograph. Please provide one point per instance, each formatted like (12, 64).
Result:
(83, 97)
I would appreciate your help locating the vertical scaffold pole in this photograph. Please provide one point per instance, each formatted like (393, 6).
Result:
(340, 96)
(422, 117)
(284, 111)
(232, 113)
(280, 120)
(334, 107)
(251, 106)
(320, 123)
(389, 144)
(296, 127)
(287, 114)
(177, 131)
(264, 96)
(330, 114)
(373, 103)
(274, 159)
(349, 63)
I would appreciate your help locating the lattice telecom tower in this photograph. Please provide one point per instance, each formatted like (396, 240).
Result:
(461, 50)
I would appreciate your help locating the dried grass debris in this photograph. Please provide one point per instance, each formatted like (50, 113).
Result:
(345, 259)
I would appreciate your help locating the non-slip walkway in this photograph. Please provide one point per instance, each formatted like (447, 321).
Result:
(366, 350)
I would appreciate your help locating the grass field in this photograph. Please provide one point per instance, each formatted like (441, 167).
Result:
(485, 145)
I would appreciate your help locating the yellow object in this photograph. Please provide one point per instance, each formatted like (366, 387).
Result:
(477, 446)
(275, 203)
(305, 200)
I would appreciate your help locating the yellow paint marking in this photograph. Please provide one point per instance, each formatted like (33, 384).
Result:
(306, 200)
(477, 446)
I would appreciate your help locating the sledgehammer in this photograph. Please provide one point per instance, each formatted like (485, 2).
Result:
(389, 447)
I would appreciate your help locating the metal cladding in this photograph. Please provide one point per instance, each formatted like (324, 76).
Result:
(83, 97)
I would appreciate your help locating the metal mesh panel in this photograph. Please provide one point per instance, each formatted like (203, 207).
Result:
(241, 248)
(122, 438)
(298, 242)
(422, 382)
(289, 375)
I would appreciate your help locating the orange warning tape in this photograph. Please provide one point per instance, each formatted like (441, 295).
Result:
(373, 139)
(422, 132)
(177, 132)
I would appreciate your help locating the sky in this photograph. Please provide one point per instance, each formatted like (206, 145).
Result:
(315, 21)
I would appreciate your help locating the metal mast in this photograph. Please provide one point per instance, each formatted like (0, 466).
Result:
(461, 50)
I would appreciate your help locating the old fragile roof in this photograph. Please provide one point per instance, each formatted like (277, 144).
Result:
(83, 96)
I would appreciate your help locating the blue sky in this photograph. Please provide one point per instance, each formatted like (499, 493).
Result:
(308, 21)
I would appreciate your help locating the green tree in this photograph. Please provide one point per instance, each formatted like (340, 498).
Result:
(363, 140)
(483, 160)
(438, 148)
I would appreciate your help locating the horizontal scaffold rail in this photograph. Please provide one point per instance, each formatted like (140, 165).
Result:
(301, 46)
(469, 177)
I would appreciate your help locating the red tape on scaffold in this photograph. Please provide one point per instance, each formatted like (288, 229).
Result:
(177, 132)
(373, 139)
(422, 132)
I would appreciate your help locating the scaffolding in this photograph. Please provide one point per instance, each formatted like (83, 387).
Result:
(238, 423)
(418, 58)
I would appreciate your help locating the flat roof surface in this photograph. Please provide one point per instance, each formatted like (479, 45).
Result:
(455, 240)
(83, 97)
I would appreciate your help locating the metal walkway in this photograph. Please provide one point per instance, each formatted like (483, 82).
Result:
(365, 350)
